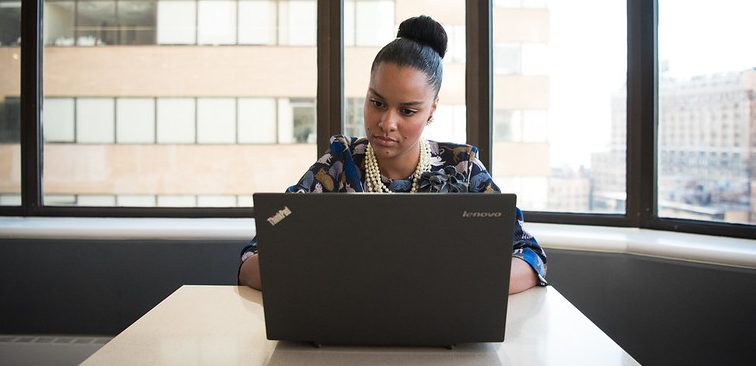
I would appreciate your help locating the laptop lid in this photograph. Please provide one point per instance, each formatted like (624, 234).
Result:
(372, 269)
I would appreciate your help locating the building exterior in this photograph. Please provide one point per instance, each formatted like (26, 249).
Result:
(706, 149)
(189, 102)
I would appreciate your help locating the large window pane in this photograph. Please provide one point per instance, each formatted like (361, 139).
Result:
(371, 24)
(707, 111)
(559, 104)
(166, 118)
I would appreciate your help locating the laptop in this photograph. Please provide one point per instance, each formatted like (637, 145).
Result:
(385, 269)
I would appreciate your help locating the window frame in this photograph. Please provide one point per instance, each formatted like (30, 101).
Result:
(642, 120)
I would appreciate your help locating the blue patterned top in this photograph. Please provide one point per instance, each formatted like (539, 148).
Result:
(341, 169)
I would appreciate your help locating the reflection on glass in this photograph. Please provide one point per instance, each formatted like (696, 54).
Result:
(707, 113)
(559, 92)
(371, 24)
(10, 107)
(142, 110)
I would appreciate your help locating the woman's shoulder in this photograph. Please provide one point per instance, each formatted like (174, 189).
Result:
(454, 151)
(349, 142)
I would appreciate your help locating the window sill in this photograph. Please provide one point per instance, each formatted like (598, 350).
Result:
(126, 228)
(652, 243)
(717, 250)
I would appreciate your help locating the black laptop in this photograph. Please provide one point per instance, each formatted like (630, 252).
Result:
(385, 269)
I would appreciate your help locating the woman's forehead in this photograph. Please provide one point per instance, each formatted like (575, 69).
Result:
(391, 80)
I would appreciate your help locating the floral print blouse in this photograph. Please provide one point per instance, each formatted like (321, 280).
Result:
(341, 169)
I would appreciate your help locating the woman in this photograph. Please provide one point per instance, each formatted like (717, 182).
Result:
(402, 97)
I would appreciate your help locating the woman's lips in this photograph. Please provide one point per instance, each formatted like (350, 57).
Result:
(385, 141)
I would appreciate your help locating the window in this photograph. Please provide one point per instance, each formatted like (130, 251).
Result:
(216, 21)
(10, 120)
(176, 22)
(257, 22)
(180, 112)
(257, 121)
(369, 25)
(710, 92)
(100, 22)
(559, 104)
(10, 23)
(95, 120)
(176, 121)
(363, 28)
(135, 120)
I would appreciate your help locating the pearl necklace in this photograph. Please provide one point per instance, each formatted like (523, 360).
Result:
(373, 181)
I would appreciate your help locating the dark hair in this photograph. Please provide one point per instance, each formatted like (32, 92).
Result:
(421, 44)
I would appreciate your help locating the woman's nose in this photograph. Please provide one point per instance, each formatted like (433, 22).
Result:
(388, 121)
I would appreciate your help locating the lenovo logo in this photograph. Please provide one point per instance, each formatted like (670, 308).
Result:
(481, 214)
(280, 215)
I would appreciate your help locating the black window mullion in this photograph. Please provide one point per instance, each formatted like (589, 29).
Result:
(479, 77)
(330, 98)
(31, 97)
(641, 112)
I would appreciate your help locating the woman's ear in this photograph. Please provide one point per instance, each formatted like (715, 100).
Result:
(433, 108)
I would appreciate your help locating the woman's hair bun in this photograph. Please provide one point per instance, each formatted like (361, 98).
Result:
(426, 31)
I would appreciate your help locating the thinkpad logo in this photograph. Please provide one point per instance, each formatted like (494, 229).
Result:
(280, 215)
(481, 214)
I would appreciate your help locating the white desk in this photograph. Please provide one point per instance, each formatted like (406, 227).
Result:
(224, 325)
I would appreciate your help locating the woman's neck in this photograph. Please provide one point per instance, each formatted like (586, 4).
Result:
(399, 167)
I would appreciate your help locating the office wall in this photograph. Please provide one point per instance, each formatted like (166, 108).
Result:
(101, 287)
(663, 312)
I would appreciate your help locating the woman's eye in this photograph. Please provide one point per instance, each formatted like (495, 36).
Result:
(376, 103)
(409, 112)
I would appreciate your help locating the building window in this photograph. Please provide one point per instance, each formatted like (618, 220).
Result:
(216, 120)
(10, 120)
(257, 121)
(99, 23)
(216, 22)
(10, 23)
(257, 22)
(176, 22)
(95, 120)
(135, 120)
(367, 24)
(176, 120)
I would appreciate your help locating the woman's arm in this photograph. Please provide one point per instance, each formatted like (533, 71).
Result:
(249, 273)
(522, 276)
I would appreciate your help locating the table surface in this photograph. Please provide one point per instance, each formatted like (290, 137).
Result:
(224, 325)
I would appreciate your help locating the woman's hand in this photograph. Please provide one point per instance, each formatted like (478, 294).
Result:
(249, 274)
(522, 276)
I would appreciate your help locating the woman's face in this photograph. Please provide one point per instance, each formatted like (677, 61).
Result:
(398, 104)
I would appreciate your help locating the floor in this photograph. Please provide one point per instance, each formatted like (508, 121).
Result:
(44, 350)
